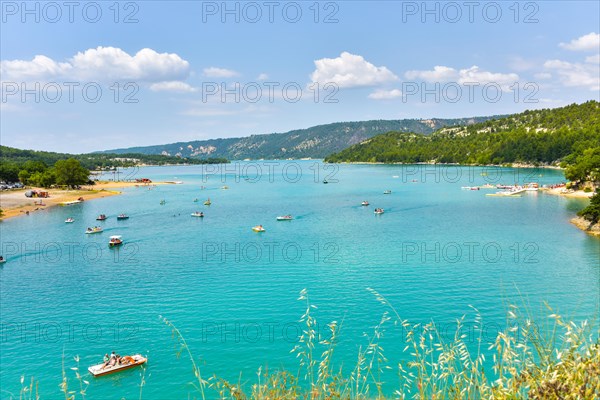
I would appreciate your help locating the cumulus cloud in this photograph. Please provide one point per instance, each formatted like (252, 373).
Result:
(385, 94)
(439, 73)
(215, 72)
(100, 64)
(40, 66)
(473, 74)
(350, 70)
(576, 74)
(593, 59)
(172, 86)
(589, 42)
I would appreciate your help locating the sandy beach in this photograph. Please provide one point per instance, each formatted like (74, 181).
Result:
(562, 191)
(14, 203)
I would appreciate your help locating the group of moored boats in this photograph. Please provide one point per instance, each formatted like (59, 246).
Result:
(506, 190)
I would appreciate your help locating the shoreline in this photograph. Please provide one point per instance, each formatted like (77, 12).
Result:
(514, 165)
(15, 204)
(586, 226)
(562, 191)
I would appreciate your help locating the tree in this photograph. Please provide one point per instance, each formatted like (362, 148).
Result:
(24, 176)
(9, 171)
(70, 172)
(592, 211)
(585, 167)
(42, 179)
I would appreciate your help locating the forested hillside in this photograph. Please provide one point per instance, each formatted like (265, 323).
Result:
(540, 137)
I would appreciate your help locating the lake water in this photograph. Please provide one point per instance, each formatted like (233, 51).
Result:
(233, 293)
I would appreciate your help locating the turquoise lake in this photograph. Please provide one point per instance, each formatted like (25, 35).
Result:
(436, 251)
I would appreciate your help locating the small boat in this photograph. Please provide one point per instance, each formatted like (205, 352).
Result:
(95, 229)
(195, 200)
(364, 203)
(70, 203)
(379, 211)
(127, 362)
(122, 216)
(387, 192)
(162, 202)
(2, 260)
(115, 240)
(258, 228)
(207, 202)
(325, 181)
(101, 217)
(198, 214)
(225, 187)
(514, 193)
(69, 220)
(285, 218)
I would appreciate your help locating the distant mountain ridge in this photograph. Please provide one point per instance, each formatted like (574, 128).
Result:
(315, 142)
(543, 136)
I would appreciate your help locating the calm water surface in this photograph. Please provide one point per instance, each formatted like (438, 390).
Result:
(233, 293)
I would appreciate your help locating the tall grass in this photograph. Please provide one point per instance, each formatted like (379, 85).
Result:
(561, 361)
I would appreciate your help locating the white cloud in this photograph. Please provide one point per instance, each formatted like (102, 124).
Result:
(40, 66)
(385, 94)
(591, 41)
(473, 74)
(215, 72)
(172, 86)
(576, 74)
(100, 64)
(593, 59)
(262, 77)
(440, 73)
(349, 70)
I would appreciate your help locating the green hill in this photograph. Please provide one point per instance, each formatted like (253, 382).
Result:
(315, 142)
(12, 160)
(544, 136)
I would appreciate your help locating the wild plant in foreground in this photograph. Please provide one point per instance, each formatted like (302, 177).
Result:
(184, 346)
(27, 392)
(64, 385)
(562, 363)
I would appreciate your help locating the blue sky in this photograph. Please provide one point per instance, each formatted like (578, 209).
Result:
(155, 71)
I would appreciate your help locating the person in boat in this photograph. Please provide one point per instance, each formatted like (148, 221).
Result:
(110, 361)
(1, 258)
(126, 360)
(201, 214)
